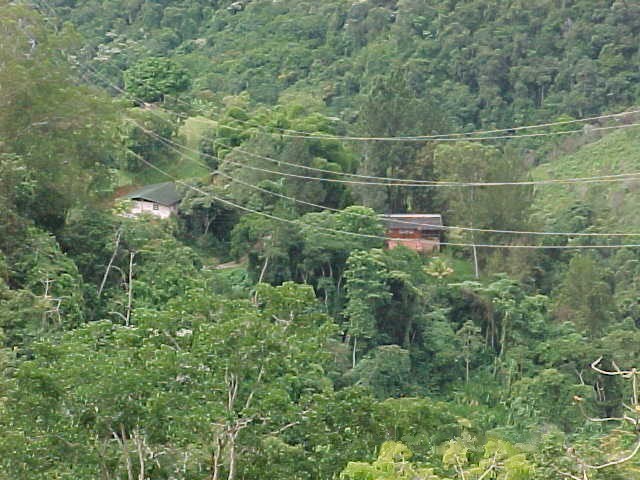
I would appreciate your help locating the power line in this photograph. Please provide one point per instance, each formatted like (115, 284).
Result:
(408, 182)
(390, 181)
(449, 137)
(456, 139)
(444, 227)
(434, 184)
(340, 232)
(332, 231)
(440, 137)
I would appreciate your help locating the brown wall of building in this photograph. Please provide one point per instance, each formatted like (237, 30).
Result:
(414, 240)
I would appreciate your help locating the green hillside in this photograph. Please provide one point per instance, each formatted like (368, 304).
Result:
(484, 62)
(613, 206)
(290, 306)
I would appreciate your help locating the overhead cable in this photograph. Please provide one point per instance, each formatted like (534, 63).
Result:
(444, 227)
(633, 176)
(335, 232)
(444, 136)
(390, 181)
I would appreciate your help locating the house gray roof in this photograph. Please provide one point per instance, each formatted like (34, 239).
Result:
(413, 221)
(163, 193)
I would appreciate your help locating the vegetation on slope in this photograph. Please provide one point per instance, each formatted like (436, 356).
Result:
(485, 62)
(124, 353)
(609, 207)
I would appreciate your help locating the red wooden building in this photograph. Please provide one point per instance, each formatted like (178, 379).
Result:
(419, 232)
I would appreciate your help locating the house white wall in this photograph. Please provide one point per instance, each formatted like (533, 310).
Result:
(142, 206)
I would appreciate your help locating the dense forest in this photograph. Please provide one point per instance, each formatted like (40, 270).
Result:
(265, 329)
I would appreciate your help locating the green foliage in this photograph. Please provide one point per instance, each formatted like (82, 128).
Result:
(203, 218)
(127, 352)
(59, 130)
(585, 297)
(392, 464)
(42, 293)
(503, 208)
(152, 78)
(138, 143)
(390, 109)
(486, 64)
(500, 460)
(243, 372)
(385, 370)
(606, 207)
(366, 291)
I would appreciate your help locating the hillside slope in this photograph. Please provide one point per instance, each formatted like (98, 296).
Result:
(488, 62)
(606, 206)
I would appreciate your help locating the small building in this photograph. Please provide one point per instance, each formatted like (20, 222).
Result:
(419, 232)
(160, 199)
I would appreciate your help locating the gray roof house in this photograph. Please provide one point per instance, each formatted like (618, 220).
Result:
(160, 200)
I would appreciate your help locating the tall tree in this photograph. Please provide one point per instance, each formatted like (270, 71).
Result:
(585, 297)
(366, 291)
(498, 207)
(151, 79)
(61, 129)
(392, 109)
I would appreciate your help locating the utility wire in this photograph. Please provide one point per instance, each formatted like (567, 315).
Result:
(409, 182)
(390, 181)
(442, 137)
(336, 232)
(324, 207)
(340, 232)
(434, 184)
(449, 137)
(458, 139)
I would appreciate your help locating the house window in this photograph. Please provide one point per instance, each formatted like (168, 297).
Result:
(156, 206)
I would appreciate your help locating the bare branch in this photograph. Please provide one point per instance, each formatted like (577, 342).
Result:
(130, 289)
(140, 443)
(573, 477)
(250, 398)
(109, 265)
(617, 372)
(286, 427)
(633, 453)
(491, 468)
(600, 420)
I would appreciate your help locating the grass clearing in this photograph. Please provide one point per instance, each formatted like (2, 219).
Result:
(614, 204)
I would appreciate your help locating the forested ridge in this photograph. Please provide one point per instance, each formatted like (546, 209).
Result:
(264, 330)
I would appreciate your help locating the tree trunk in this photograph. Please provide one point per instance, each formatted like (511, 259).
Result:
(407, 334)
(110, 264)
(355, 345)
(264, 270)
(475, 260)
(232, 456)
(215, 459)
(467, 361)
(139, 447)
(122, 439)
(208, 223)
(130, 288)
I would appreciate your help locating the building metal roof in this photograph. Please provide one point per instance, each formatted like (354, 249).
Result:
(162, 193)
(413, 221)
